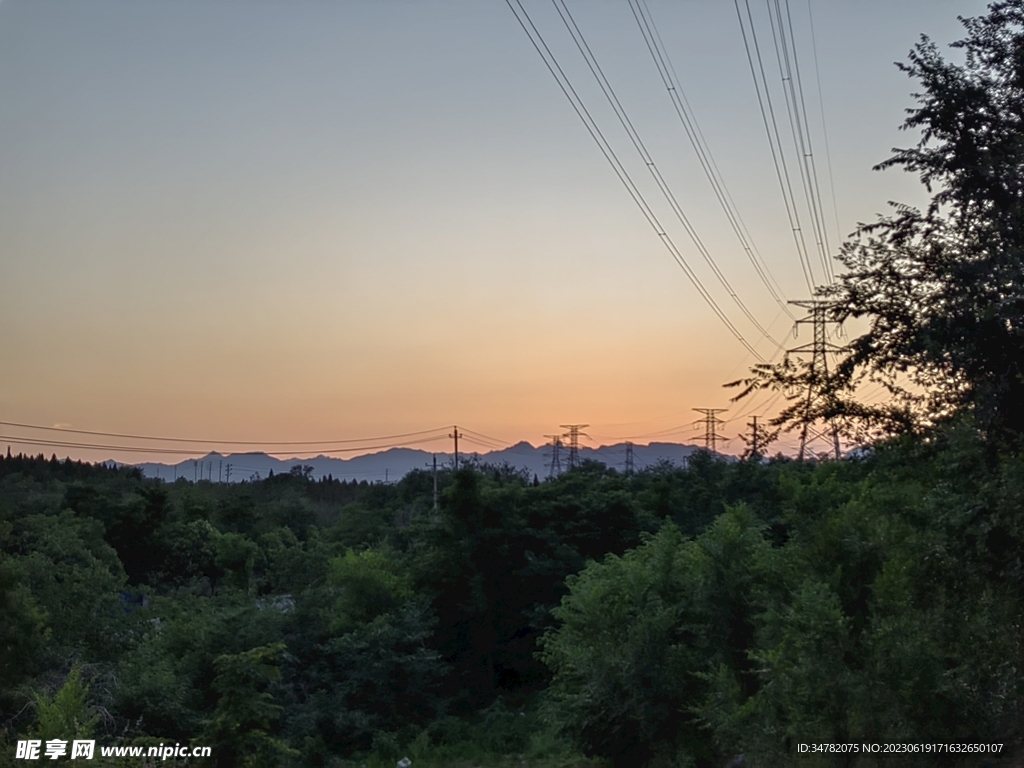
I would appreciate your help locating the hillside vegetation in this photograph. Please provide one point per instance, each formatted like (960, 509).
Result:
(679, 615)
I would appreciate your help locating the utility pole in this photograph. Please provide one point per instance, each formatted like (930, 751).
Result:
(220, 466)
(229, 472)
(435, 482)
(710, 422)
(456, 434)
(574, 442)
(818, 374)
(629, 458)
(556, 461)
(195, 476)
(760, 438)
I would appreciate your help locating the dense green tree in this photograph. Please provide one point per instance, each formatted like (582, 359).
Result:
(67, 713)
(240, 729)
(74, 576)
(711, 602)
(21, 627)
(236, 557)
(640, 634)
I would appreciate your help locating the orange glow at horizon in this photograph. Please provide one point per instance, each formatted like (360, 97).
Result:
(335, 221)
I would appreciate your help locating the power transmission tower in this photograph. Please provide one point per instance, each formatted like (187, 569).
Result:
(710, 422)
(456, 434)
(574, 442)
(629, 458)
(556, 462)
(818, 375)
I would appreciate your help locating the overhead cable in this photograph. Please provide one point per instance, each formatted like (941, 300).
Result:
(666, 70)
(824, 124)
(222, 442)
(23, 440)
(537, 40)
(792, 88)
(645, 155)
(482, 438)
(774, 141)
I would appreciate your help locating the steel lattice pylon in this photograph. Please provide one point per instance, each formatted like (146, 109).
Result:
(818, 349)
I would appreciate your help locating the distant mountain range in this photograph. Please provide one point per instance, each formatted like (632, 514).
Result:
(391, 465)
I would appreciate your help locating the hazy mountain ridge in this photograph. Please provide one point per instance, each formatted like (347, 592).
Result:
(394, 463)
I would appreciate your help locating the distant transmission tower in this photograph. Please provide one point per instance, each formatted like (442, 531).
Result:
(710, 422)
(574, 442)
(629, 458)
(556, 462)
(819, 375)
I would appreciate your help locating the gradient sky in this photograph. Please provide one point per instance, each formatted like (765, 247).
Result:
(308, 220)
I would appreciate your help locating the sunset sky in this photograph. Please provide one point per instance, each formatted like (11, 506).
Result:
(308, 220)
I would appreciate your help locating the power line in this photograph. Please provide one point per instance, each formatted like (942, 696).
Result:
(792, 89)
(21, 440)
(824, 125)
(219, 442)
(754, 406)
(874, 392)
(634, 136)
(771, 359)
(482, 438)
(809, 157)
(656, 433)
(667, 72)
(537, 40)
(473, 439)
(778, 156)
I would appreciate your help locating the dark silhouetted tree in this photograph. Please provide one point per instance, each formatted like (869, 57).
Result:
(942, 289)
